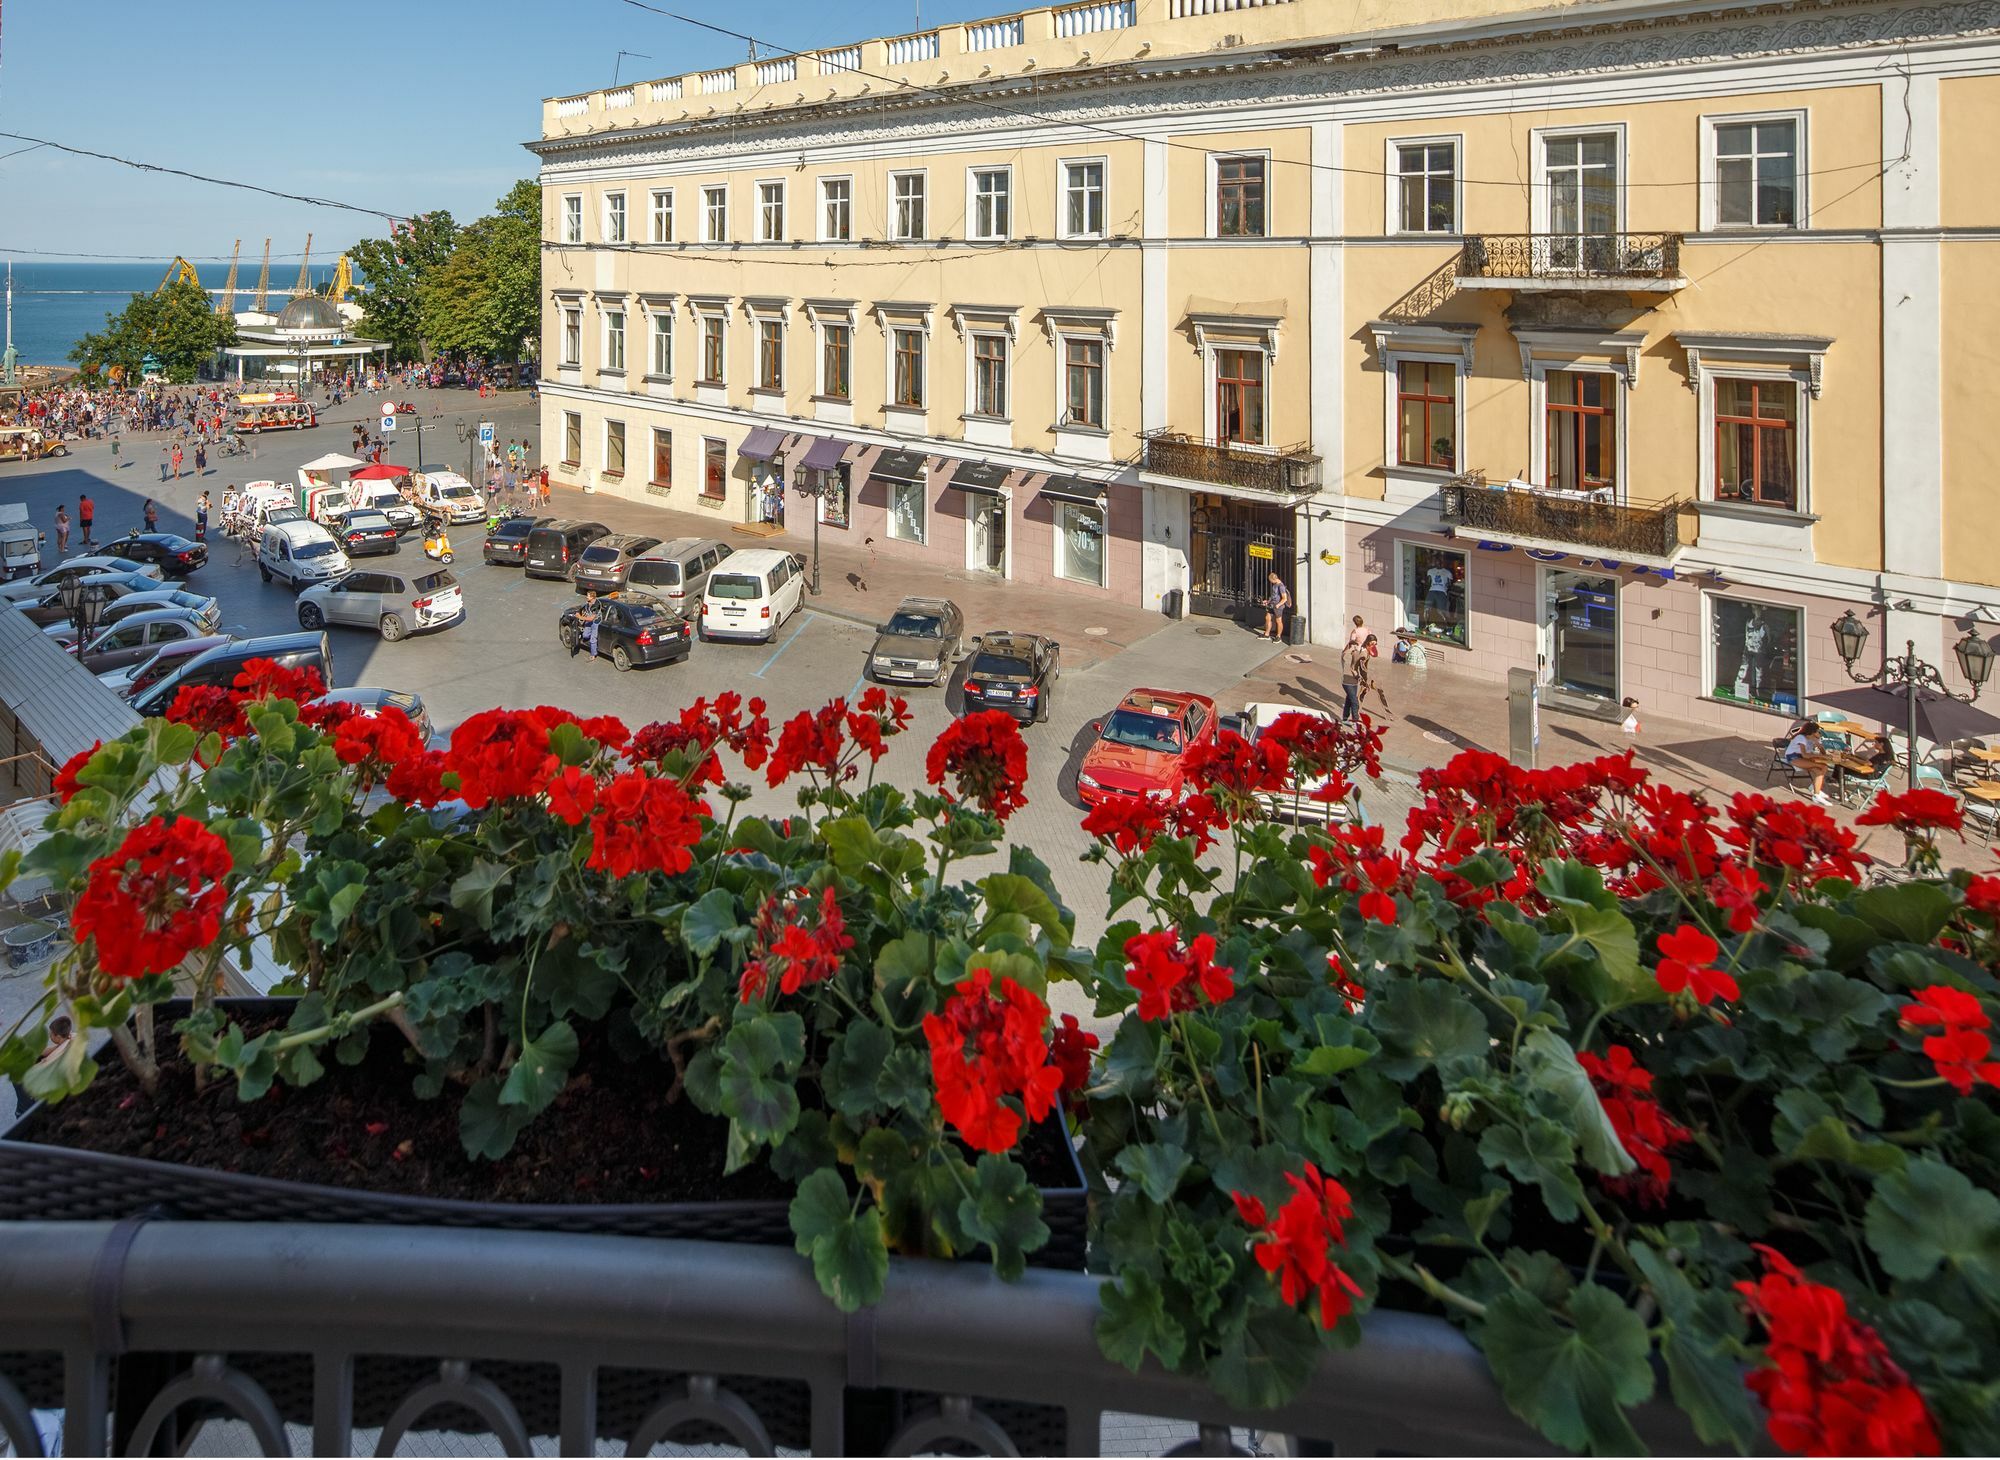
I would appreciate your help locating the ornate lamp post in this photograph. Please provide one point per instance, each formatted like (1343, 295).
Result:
(469, 434)
(1975, 662)
(812, 484)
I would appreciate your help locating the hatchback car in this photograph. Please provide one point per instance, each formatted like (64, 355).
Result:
(1141, 747)
(33, 590)
(556, 545)
(137, 638)
(134, 679)
(220, 666)
(374, 701)
(1012, 672)
(175, 555)
(606, 562)
(507, 540)
(392, 604)
(919, 642)
(632, 628)
(50, 610)
(366, 533)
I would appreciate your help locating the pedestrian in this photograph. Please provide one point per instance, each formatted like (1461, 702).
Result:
(588, 620)
(201, 458)
(62, 530)
(115, 462)
(166, 461)
(1353, 668)
(86, 513)
(1358, 634)
(1277, 603)
(545, 488)
(201, 518)
(1365, 655)
(152, 513)
(177, 462)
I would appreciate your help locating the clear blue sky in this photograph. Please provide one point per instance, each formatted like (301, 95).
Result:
(402, 106)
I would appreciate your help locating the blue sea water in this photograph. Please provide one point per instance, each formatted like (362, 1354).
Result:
(55, 304)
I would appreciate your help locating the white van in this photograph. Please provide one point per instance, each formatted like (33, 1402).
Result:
(450, 491)
(384, 498)
(750, 594)
(300, 554)
(329, 504)
(20, 543)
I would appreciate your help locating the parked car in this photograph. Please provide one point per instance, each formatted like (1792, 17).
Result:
(632, 628)
(199, 607)
(448, 492)
(366, 533)
(678, 570)
(170, 656)
(220, 666)
(373, 701)
(752, 595)
(1012, 672)
(300, 554)
(507, 540)
(392, 604)
(1298, 800)
(1141, 747)
(392, 504)
(50, 610)
(136, 638)
(556, 544)
(33, 590)
(918, 643)
(176, 556)
(605, 562)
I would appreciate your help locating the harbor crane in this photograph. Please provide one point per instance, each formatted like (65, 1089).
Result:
(264, 282)
(304, 286)
(227, 304)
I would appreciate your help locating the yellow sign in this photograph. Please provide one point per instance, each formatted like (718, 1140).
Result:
(1260, 550)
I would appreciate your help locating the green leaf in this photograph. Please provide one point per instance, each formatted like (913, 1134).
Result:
(1572, 1381)
(1550, 1067)
(849, 1256)
(905, 961)
(753, 1087)
(1808, 1130)
(1135, 1322)
(1157, 1167)
(1132, 1059)
(1005, 1212)
(69, 1073)
(1428, 1022)
(905, 1080)
(1542, 1156)
(1481, 1210)
(1929, 1215)
(486, 1128)
(1325, 1061)
(1701, 1354)
(541, 1070)
(710, 919)
(1267, 1359)
(1915, 912)
(854, 1065)
(472, 893)
(1005, 892)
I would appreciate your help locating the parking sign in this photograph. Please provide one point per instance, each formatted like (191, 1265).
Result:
(485, 433)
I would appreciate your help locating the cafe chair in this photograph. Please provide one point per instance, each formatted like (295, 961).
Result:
(1795, 776)
(1859, 789)
(1981, 816)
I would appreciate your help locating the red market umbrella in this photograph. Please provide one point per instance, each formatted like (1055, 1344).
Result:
(380, 471)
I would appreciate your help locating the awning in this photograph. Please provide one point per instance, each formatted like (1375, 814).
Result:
(900, 466)
(982, 478)
(379, 472)
(825, 453)
(761, 444)
(1074, 489)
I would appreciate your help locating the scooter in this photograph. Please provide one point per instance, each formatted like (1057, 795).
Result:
(437, 544)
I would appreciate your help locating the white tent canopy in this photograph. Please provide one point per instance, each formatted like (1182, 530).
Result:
(332, 461)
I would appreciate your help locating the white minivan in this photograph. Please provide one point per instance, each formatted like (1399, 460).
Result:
(300, 554)
(751, 594)
(459, 499)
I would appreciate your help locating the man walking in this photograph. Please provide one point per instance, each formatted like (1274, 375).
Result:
(115, 462)
(201, 518)
(1277, 603)
(166, 460)
(1353, 669)
(152, 513)
(62, 530)
(86, 513)
(588, 619)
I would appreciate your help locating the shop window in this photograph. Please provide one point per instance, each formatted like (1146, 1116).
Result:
(1080, 543)
(835, 490)
(1431, 598)
(1757, 442)
(907, 511)
(1427, 414)
(1754, 653)
(714, 468)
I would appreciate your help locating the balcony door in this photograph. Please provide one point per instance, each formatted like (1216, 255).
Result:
(1580, 181)
(1580, 633)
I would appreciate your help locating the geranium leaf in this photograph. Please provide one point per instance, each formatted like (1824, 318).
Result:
(904, 1081)
(1132, 1059)
(1574, 885)
(849, 1256)
(1006, 892)
(1572, 1381)
(1328, 1060)
(1135, 1322)
(1929, 1214)
(1542, 1156)
(1425, 1023)
(853, 1066)
(1005, 1212)
(1915, 912)
(1157, 1167)
(486, 1128)
(1266, 1359)
(472, 893)
(1550, 1067)
(709, 920)
(904, 961)
(541, 1069)
(1702, 1363)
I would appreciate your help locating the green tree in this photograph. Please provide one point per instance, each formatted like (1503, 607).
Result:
(393, 271)
(177, 327)
(486, 298)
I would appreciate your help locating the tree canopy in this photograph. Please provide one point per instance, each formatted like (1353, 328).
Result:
(394, 270)
(177, 327)
(434, 286)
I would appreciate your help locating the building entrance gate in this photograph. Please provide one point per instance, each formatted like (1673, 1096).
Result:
(1234, 548)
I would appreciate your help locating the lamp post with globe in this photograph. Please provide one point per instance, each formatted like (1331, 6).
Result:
(1975, 662)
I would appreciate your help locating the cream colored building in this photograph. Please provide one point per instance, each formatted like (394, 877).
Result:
(1633, 340)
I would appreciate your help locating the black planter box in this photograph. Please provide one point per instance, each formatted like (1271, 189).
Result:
(46, 1183)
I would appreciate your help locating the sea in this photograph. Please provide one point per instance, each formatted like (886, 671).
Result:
(56, 304)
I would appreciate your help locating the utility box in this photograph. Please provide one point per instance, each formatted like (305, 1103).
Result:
(1524, 717)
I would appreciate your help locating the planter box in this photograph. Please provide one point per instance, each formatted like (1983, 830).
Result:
(48, 1183)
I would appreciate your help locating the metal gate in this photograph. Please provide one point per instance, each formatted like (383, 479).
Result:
(1232, 554)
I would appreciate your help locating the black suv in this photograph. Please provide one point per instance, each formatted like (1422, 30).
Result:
(555, 546)
(1012, 672)
(633, 628)
(507, 542)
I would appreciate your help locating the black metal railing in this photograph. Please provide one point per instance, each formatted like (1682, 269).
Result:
(296, 1338)
(1570, 256)
(1291, 472)
(1655, 532)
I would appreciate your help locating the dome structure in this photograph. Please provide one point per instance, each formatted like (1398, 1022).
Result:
(310, 317)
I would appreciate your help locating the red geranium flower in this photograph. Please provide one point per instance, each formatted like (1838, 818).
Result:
(377, 742)
(1130, 823)
(1297, 1245)
(1918, 810)
(1982, 894)
(703, 727)
(987, 760)
(802, 939)
(66, 784)
(1959, 1050)
(503, 755)
(644, 823)
(1165, 976)
(988, 1052)
(1645, 1131)
(572, 794)
(811, 740)
(156, 899)
(1070, 1047)
(1686, 963)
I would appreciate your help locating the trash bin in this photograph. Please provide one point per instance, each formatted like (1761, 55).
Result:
(1295, 629)
(1173, 603)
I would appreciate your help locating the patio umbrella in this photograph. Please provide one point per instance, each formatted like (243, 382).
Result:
(332, 461)
(1936, 717)
(380, 471)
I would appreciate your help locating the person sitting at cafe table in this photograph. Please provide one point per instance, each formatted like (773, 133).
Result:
(1803, 753)
(1879, 754)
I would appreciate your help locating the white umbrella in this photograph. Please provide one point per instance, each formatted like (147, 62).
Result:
(332, 461)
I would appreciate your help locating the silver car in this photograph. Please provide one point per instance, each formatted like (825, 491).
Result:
(203, 609)
(374, 701)
(392, 604)
(166, 659)
(137, 638)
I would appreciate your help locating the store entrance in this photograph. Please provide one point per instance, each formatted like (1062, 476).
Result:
(1233, 548)
(1580, 634)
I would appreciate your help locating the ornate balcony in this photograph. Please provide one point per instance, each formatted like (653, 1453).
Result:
(1642, 263)
(1290, 472)
(1542, 518)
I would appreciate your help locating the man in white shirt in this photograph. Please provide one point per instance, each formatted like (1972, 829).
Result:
(1805, 743)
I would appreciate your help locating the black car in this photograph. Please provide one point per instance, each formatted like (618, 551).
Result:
(633, 628)
(366, 532)
(176, 556)
(1012, 672)
(556, 546)
(507, 543)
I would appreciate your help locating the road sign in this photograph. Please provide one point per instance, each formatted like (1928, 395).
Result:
(388, 408)
(1259, 550)
(388, 423)
(485, 433)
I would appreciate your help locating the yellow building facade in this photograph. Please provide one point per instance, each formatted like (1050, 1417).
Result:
(1629, 342)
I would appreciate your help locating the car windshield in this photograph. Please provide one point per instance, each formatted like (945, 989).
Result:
(989, 664)
(313, 549)
(432, 582)
(911, 625)
(284, 514)
(455, 492)
(735, 585)
(1146, 732)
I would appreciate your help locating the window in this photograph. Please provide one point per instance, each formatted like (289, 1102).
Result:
(1427, 414)
(1580, 183)
(1080, 543)
(1239, 396)
(714, 468)
(572, 438)
(711, 349)
(771, 212)
(614, 217)
(1757, 173)
(992, 197)
(835, 349)
(572, 218)
(1239, 197)
(770, 354)
(663, 458)
(715, 215)
(989, 375)
(836, 196)
(663, 215)
(663, 344)
(907, 350)
(572, 338)
(906, 212)
(1753, 653)
(1427, 187)
(1431, 592)
(1757, 442)
(614, 339)
(1582, 426)
(833, 497)
(1083, 200)
(614, 448)
(1083, 382)
(906, 511)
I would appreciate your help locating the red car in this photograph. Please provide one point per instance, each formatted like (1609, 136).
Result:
(1142, 745)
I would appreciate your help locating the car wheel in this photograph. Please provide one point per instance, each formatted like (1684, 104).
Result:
(568, 637)
(1042, 706)
(392, 628)
(620, 659)
(310, 617)
(266, 572)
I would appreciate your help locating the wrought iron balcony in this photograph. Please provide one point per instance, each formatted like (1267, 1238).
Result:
(1641, 262)
(1291, 472)
(1564, 519)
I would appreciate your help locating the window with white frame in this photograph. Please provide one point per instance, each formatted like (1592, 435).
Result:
(771, 354)
(1080, 543)
(713, 349)
(1083, 199)
(906, 205)
(1240, 187)
(572, 335)
(662, 210)
(572, 218)
(715, 214)
(836, 214)
(1581, 195)
(908, 511)
(836, 361)
(662, 355)
(989, 375)
(1753, 653)
(906, 354)
(614, 339)
(1755, 163)
(614, 448)
(1756, 440)
(771, 212)
(1083, 381)
(1425, 187)
(991, 212)
(614, 217)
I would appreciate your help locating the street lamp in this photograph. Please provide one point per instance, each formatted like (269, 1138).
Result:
(470, 436)
(1975, 663)
(810, 483)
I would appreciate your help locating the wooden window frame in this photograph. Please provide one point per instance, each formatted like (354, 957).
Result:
(1574, 415)
(1759, 426)
(1433, 405)
(1240, 388)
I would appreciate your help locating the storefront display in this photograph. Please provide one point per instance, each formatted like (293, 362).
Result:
(1754, 653)
(1433, 593)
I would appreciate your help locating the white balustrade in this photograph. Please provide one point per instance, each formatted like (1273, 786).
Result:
(714, 81)
(1184, 9)
(991, 35)
(619, 96)
(905, 49)
(572, 106)
(1074, 20)
(786, 69)
(846, 58)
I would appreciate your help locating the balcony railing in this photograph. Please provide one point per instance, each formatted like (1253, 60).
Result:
(1292, 472)
(1570, 520)
(1565, 259)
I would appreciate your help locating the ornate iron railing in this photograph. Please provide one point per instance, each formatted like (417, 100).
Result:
(1653, 532)
(1291, 472)
(1570, 256)
(140, 1333)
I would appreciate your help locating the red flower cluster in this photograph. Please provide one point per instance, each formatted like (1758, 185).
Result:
(702, 729)
(1298, 1245)
(1130, 823)
(572, 795)
(1345, 984)
(643, 823)
(1070, 1046)
(156, 899)
(985, 1050)
(1165, 975)
(1794, 835)
(802, 940)
(1624, 1088)
(987, 760)
(377, 743)
(811, 740)
(1321, 746)
(1830, 1387)
(66, 783)
(1982, 894)
(1687, 957)
(1358, 863)
(1915, 811)
(1958, 1049)
(1233, 769)
(504, 755)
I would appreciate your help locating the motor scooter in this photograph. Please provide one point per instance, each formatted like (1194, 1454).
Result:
(437, 543)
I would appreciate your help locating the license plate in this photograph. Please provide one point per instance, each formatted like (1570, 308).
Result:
(999, 694)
